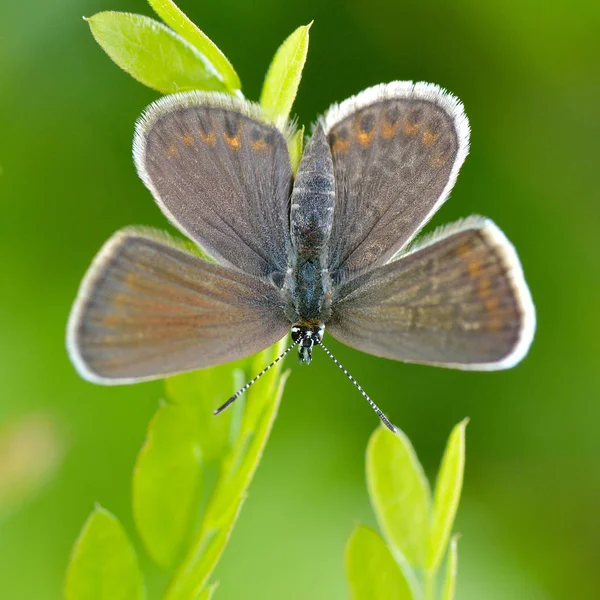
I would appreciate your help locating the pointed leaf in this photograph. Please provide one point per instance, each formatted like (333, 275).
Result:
(296, 148)
(173, 16)
(103, 564)
(371, 570)
(154, 54)
(447, 495)
(451, 567)
(284, 74)
(399, 493)
(167, 481)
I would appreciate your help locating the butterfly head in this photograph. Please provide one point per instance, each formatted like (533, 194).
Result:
(306, 336)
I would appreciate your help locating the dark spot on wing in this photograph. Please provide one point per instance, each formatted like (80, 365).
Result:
(204, 125)
(367, 122)
(415, 116)
(256, 134)
(231, 125)
(392, 114)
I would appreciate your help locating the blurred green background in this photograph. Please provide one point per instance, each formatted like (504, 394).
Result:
(529, 76)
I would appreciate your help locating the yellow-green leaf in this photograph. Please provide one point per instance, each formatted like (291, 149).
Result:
(296, 148)
(173, 16)
(103, 564)
(372, 572)
(447, 495)
(451, 567)
(284, 74)
(154, 54)
(206, 390)
(399, 493)
(167, 481)
(207, 593)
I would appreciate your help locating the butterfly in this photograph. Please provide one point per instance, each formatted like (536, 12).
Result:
(330, 249)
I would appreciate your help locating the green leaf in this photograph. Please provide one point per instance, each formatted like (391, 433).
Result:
(447, 495)
(103, 564)
(451, 567)
(372, 572)
(296, 148)
(399, 493)
(238, 467)
(284, 74)
(207, 593)
(173, 16)
(206, 390)
(154, 54)
(167, 481)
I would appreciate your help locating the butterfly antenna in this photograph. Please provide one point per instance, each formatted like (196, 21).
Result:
(366, 396)
(252, 381)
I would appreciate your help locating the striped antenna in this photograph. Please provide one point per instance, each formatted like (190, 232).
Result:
(374, 406)
(252, 381)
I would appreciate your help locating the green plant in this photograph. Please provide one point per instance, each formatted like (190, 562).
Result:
(416, 528)
(185, 443)
(184, 440)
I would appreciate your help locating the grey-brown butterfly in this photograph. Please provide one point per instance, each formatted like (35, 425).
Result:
(329, 249)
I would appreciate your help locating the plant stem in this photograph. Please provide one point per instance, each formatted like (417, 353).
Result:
(429, 586)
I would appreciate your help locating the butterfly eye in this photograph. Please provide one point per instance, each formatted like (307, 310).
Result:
(317, 333)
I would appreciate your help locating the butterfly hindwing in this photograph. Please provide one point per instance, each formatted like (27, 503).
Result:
(222, 174)
(149, 308)
(397, 149)
(458, 300)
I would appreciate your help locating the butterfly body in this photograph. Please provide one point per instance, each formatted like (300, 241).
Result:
(329, 248)
(307, 288)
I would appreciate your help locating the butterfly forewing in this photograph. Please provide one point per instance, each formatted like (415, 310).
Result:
(456, 300)
(221, 174)
(397, 149)
(148, 308)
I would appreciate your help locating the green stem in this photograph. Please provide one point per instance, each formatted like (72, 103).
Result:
(429, 586)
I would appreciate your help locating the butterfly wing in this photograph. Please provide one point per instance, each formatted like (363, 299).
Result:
(148, 308)
(221, 174)
(397, 149)
(458, 299)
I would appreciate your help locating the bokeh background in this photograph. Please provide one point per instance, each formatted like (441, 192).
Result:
(529, 75)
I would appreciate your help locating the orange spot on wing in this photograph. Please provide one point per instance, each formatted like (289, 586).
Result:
(260, 145)
(474, 268)
(172, 150)
(233, 142)
(410, 128)
(208, 138)
(438, 159)
(188, 139)
(495, 325)
(484, 286)
(389, 131)
(119, 300)
(341, 146)
(365, 139)
(112, 320)
(463, 250)
(491, 304)
(428, 138)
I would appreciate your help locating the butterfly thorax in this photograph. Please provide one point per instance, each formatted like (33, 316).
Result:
(307, 284)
